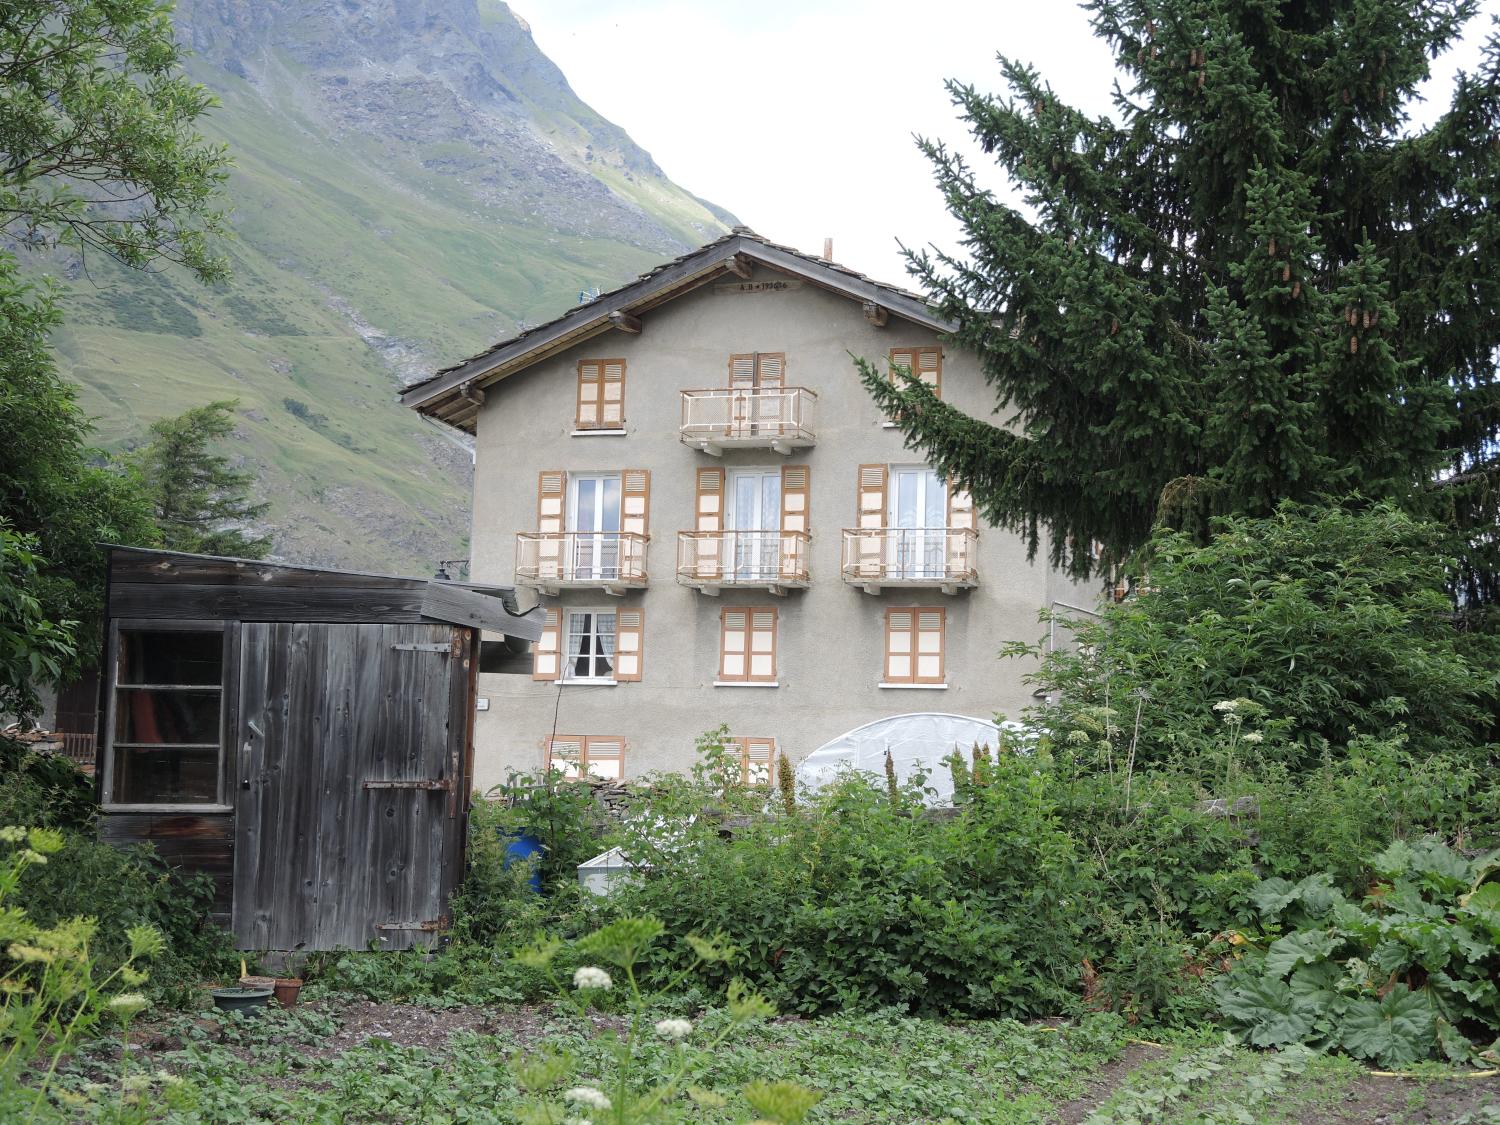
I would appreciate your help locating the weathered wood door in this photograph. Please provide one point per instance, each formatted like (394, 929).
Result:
(349, 789)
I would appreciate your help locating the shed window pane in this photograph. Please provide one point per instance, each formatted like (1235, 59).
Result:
(171, 658)
(167, 738)
(164, 717)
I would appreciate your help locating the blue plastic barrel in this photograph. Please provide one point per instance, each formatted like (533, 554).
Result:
(521, 847)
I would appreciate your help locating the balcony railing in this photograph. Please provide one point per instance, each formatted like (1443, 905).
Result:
(731, 418)
(941, 557)
(777, 560)
(607, 560)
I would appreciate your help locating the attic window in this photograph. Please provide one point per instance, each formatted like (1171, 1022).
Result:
(165, 740)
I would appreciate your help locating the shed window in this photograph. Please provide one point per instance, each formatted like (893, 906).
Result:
(166, 738)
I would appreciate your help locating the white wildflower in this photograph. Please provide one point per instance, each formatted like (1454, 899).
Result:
(1227, 705)
(127, 1004)
(1078, 736)
(12, 835)
(586, 1095)
(591, 976)
(1252, 737)
(674, 1029)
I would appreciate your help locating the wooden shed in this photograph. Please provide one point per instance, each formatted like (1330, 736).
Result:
(302, 736)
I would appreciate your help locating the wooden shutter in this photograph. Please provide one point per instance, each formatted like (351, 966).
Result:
(590, 393)
(759, 754)
(925, 363)
(796, 516)
(546, 655)
(900, 627)
(762, 646)
(931, 639)
(770, 370)
(742, 372)
(960, 522)
(630, 634)
(870, 517)
(734, 644)
(708, 557)
(604, 756)
(565, 752)
(612, 408)
(551, 504)
(635, 501)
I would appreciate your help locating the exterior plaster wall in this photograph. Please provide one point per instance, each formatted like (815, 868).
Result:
(831, 636)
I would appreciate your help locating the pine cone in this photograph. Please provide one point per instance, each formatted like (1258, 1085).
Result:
(1353, 344)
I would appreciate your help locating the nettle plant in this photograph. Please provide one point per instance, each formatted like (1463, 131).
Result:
(1408, 974)
(623, 1097)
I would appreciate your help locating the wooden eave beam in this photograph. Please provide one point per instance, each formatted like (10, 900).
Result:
(738, 265)
(625, 322)
(876, 314)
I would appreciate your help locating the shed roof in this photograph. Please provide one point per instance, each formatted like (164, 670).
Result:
(458, 603)
(453, 395)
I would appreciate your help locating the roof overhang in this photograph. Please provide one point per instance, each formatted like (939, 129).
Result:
(455, 394)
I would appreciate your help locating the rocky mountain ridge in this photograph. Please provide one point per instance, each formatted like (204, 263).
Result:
(414, 179)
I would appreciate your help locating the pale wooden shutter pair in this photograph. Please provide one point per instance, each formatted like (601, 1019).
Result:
(551, 521)
(747, 645)
(599, 755)
(635, 501)
(752, 372)
(796, 514)
(871, 516)
(915, 640)
(756, 756)
(601, 394)
(925, 363)
(629, 660)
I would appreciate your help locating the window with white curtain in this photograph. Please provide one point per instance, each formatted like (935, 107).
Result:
(591, 645)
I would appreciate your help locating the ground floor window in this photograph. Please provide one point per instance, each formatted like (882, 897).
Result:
(587, 755)
(591, 645)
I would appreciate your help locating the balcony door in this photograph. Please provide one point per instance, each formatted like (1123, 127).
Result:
(754, 522)
(594, 520)
(918, 515)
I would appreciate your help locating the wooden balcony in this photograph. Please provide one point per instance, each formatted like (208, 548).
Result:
(771, 560)
(612, 561)
(720, 418)
(942, 558)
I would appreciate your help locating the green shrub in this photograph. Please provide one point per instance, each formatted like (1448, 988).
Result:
(1333, 623)
(854, 903)
(1408, 975)
(42, 790)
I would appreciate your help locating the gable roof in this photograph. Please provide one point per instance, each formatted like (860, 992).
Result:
(454, 394)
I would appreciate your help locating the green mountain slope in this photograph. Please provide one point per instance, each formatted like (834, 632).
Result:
(413, 181)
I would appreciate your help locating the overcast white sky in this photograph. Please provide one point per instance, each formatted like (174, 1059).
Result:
(798, 115)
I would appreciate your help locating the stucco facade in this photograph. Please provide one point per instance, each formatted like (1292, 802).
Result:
(831, 636)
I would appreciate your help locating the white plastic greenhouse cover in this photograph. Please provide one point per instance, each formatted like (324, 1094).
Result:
(916, 741)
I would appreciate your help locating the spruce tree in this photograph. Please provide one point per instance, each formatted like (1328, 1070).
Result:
(1253, 281)
(201, 503)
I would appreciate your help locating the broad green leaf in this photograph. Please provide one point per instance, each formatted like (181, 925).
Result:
(1394, 861)
(1267, 1010)
(1306, 947)
(1439, 867)
(1483, 904)
(1273, 896)
(1394, 1031)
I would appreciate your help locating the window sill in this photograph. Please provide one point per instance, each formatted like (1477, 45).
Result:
(913, 687)
(587, 683)
(887, 425)
(747, 683)
(166, 808)
(621, 432)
